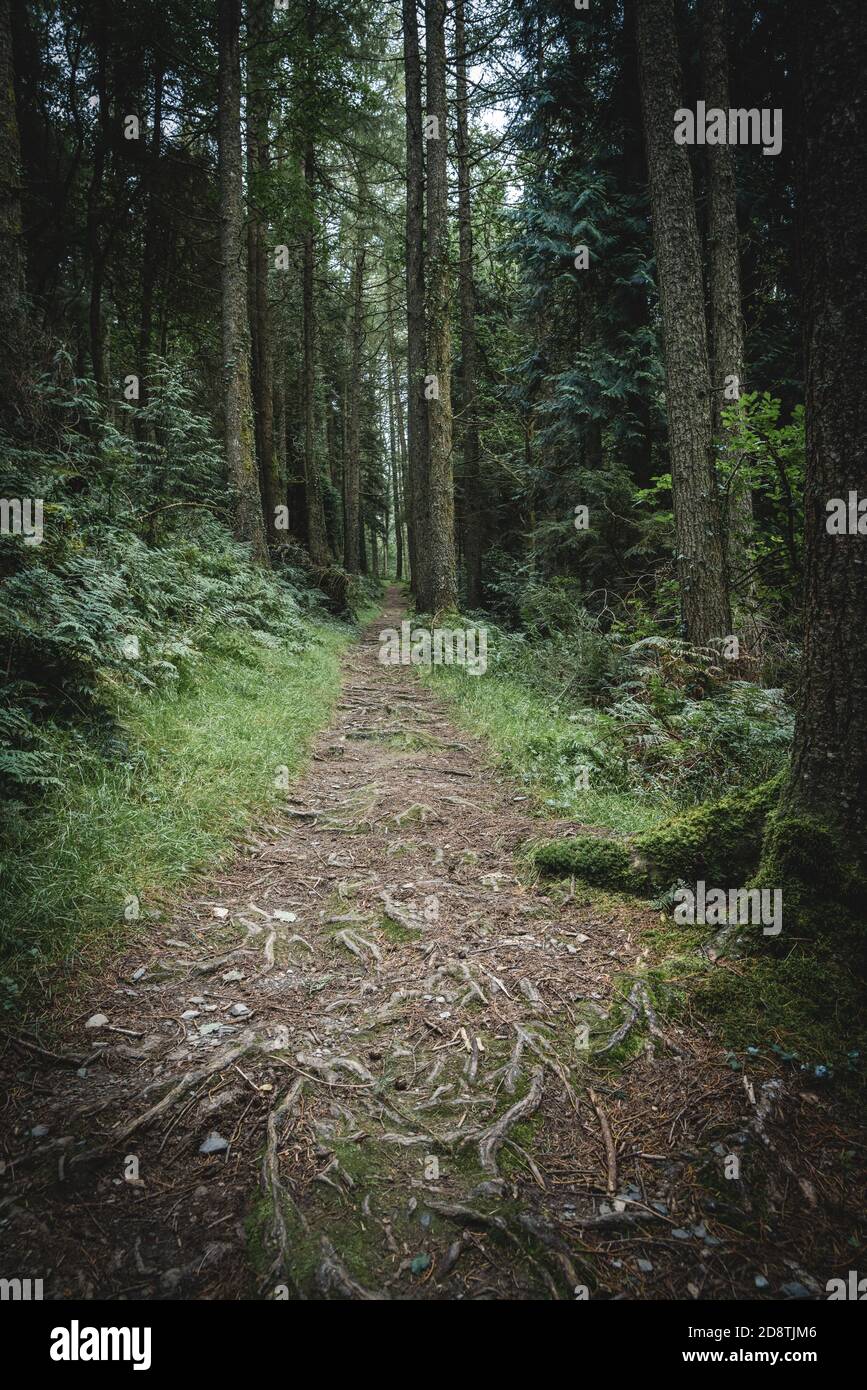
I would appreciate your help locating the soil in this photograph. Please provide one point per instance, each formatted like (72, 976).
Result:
(424, 1074)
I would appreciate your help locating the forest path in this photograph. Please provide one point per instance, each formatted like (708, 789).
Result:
(376, 1025)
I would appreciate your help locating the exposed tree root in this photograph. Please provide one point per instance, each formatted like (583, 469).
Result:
(492, 1139)
(189, 1080)
(638, 1006)
(279, 1199)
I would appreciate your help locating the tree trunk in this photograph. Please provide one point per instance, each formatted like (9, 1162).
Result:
(395, 487)
(239, 443)
(698, 532)
(726, 324)
(829, 761)
(96, 250)
(317, 531)
(15, 337)
(417, 420)
(150, 261)
(353, 541)
(472, 504)
(439, 579)
(259, 20)
(638, 450)
(403, 469)
(394, 380)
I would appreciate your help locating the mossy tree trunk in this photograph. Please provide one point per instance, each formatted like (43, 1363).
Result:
(698, 529)
(317, 531)
(261, 327)
(437, 539)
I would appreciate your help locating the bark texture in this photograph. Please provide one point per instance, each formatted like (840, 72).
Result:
(437, 538)
(698, 532)
(353, 541)
(261, 329)
(472, 502)
(829, 766)
(317, 532)
(724, 272)
(417, 421)
(239, 442)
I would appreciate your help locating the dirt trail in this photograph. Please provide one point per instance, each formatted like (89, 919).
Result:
(384, 1027)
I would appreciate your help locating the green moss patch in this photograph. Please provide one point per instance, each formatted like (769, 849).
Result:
(720, 842)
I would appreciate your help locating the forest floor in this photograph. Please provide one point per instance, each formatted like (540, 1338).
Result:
(377, 1020)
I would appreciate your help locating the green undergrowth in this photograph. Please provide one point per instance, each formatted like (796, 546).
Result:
(803, 1013)
(545, 750)
(189, 770)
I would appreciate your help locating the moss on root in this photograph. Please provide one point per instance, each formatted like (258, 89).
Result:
(718, 842)
(603, 862)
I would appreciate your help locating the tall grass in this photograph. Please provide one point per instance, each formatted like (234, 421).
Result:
(199, 765)
(545, 749)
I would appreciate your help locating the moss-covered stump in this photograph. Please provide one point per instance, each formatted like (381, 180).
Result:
(719, 842)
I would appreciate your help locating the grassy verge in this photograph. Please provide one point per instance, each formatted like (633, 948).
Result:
(198, 767)
(544, 749)
(803, 1010)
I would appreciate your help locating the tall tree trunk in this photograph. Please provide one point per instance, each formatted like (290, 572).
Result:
(395, 487)
(638, 449)
(374, 552)
(394, 379)
(96, 249)
(261, 333)
(439, 577)
(417, 419)
(353, 540)
(698, 531)
(829, 761)
(239, 443)
(13, 319)
(362, 542)
(403, 463)
(726, 323)
(150, 260)
(472, 502)
(280, 429)
(317, 531)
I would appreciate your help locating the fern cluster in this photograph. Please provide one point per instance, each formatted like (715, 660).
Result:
(124, 588)
(652, 717)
